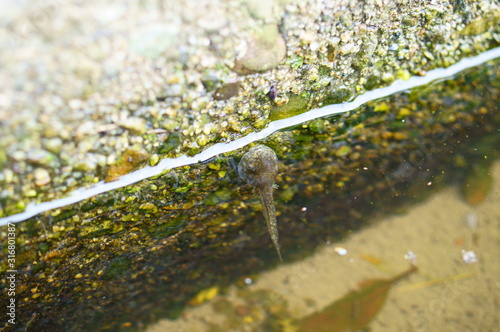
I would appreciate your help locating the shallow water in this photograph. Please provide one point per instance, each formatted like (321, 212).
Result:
(449, 292)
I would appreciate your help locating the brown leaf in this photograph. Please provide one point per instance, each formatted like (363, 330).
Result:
(355, 310)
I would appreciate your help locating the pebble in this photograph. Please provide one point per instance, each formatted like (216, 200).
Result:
(42, 177)
(53, 145)
(135, 125)
(469, 256)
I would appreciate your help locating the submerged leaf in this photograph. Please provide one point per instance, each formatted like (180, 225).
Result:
(355, 310)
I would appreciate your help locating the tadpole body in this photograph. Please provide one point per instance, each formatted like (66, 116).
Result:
(259, 167)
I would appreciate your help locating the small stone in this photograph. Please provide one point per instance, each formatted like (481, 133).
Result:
(30, 193)
(347, 48)
(8, 175)
(393, 47)
(85, 165)
(207, 129)
(169, 124)
(75, 104)
(469, 256)
(306, 38)
(314, 46)
(155, 39)
(42, 177)
(130, 199)
(346, 36)
(214, 166)
(18, 155)
(54, 145)
(260, 9)
(174, 90)
(135, 125)
(40, 157)
(387, 77)
(202, 140)
(335, 41)
(403, 74)
(227, 91)
(343, 151)
(154, 159)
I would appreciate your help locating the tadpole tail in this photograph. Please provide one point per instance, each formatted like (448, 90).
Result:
(266, 196)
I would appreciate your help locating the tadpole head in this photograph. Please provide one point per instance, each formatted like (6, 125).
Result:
(259, 166)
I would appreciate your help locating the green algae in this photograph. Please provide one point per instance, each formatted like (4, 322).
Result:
(482, 24)
(296, 105)
(226, 91)
(218, 197)
(172, 142)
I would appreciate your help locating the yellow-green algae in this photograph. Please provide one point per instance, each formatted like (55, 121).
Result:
(295, 106)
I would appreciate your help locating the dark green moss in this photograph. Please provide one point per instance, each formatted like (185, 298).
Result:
(43, 247)
(171, 143)
(372, 82)
(324, 71)
(295, 62)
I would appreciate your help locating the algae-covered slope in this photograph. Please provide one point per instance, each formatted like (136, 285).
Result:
(92, 90)
(127, 257)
